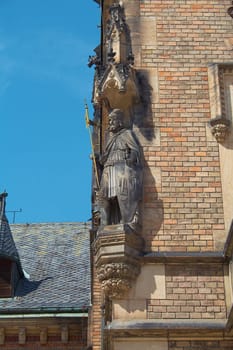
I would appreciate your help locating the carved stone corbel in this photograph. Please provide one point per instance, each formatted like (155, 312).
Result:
(220, 127)
(117, 254)
(117, 278)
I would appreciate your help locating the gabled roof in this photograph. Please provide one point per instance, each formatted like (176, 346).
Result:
(56, 261)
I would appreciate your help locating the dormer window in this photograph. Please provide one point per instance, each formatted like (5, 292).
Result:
(10, 266)
(6, 268)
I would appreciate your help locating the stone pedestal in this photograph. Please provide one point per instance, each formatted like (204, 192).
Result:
(117, 259)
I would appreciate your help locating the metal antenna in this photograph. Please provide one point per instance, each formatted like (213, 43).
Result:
(14, 213)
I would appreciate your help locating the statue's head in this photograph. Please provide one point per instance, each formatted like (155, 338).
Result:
(115, 120)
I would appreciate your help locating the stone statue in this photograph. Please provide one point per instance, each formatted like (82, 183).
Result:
(121, 180)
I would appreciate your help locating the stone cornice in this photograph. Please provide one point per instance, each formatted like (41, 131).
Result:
(186, 329)
(181, 258)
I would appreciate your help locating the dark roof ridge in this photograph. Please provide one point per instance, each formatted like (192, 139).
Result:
(85, 223)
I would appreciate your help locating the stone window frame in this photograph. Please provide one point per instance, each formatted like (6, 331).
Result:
(220, 122)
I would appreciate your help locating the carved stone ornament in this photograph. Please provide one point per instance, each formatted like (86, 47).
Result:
(117, 38)
(116, 19)
(115, 78)
(115, 82)
(116, 278)
(220, 127)
(117, 260)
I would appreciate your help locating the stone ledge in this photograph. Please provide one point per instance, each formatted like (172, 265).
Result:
(168, 324)
(172, 329)
(183, 257)
(217, 257)
(175, 329)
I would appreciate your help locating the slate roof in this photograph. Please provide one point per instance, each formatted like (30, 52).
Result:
(55, 258)
(7, 245)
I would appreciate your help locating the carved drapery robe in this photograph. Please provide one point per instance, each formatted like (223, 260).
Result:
(122, 176)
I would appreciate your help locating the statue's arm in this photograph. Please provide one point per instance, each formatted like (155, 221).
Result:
(133, 151)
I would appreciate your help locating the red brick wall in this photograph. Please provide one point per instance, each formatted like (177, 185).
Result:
(192, 292)
(182, 205)
(190, 35)
(96, 314)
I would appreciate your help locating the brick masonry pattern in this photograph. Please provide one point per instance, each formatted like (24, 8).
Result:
(183, 209)
(192, 292)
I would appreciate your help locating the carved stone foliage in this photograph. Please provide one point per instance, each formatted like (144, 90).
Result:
(221, 100)
(116, 37)
(220, 127)
(116, 278)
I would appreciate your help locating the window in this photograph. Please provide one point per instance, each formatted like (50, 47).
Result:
(5, 278)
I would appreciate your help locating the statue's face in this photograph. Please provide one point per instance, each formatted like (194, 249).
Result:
(114, 124)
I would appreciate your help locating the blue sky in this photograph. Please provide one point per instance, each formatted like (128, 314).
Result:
(44, 79)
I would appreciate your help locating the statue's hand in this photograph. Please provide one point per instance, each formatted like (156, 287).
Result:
(102, 159)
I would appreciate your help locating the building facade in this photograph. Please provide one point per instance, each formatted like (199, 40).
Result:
(162, 276)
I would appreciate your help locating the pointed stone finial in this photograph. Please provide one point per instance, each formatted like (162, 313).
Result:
(3, 203)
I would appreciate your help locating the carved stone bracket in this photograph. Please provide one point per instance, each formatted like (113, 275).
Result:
(220, 127)
(117, 262)
(220, 85)
(116, 278)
